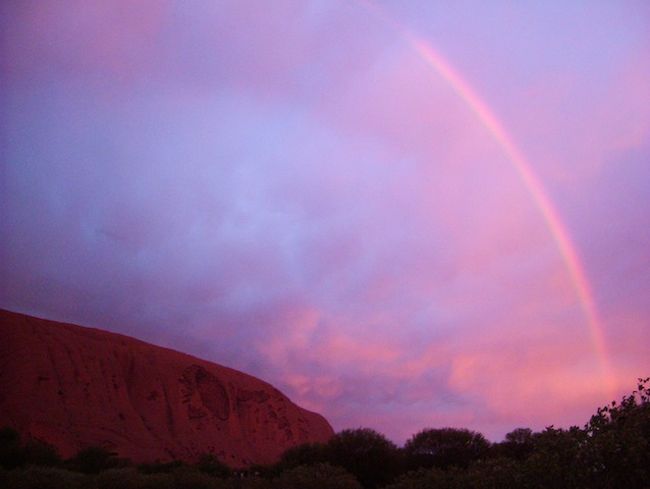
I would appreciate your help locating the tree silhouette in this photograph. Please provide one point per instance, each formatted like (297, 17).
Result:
(11, 452)
(518, 444)
(445, 447)
(93, 460)
(369, 456)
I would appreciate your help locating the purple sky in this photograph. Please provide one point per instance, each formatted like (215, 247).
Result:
(289, 189)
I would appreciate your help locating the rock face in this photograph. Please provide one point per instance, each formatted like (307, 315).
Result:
(75, 387)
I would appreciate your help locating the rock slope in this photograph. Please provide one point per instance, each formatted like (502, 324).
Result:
(75, 387)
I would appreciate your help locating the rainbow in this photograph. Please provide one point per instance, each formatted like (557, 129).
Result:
(533, 185)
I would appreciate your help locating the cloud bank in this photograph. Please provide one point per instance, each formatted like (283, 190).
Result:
(293, 192)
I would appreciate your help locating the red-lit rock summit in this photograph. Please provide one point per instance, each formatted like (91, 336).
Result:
(75, 387)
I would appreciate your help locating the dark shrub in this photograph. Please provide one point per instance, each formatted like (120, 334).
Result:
(209, 464)
(445, 447)
(156, 481)
(124, 478)
(369, 456)
(11, 452)
(250, 482)
(493, 473)
(161, 467)
(34, 477)
(37, 452)
(518, 444)
(307, 454)
(93, 460)
(431, 479)
(129, 478)
(190, 478)
(319, 476)
(617, 452)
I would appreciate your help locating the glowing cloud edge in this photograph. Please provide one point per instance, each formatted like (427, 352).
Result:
(531, 182)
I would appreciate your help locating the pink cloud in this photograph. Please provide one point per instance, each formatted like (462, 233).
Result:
(292, 191)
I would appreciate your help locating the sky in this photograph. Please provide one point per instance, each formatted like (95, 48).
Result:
(295, 190)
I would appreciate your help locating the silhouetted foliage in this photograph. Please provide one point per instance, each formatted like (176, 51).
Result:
(183, 477)
(37, 452)
(34, 477)
(161, 467)
(11, 452)
(190, 478)
(211, 465)
(125, 478)
(93, 460)
(429, 478)
(445, 447)
(250, 482)
(520, 437)
(494, 473)
(554, 460)
(518, 444)
(617, 448)
(318, 476)
(262, 471)
(611, 451)
(369, 456)
(307, 454)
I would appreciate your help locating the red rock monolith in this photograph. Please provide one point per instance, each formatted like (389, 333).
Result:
(75, 387)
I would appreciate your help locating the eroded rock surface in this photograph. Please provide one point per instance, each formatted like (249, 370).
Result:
(75, 387)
